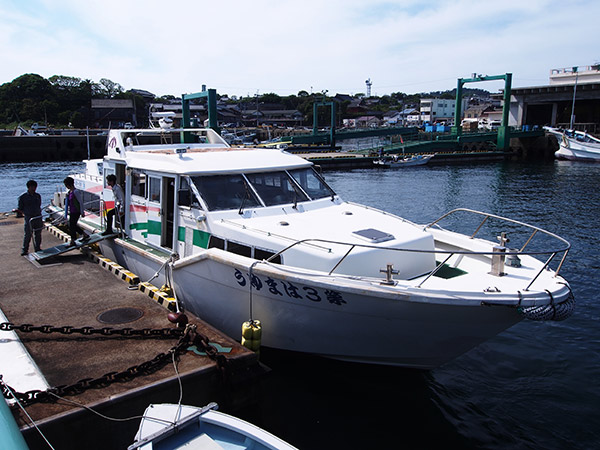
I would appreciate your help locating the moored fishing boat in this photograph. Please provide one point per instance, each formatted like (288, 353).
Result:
(576, 145)
(169, 426)
(396, 162)
(250, 233)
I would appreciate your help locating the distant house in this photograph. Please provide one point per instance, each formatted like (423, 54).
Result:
(367, 122)
(476, 111)
(492, 114)
(113, 113)
(283, 117)
(393, 118)
(356, 107)
(251, 117)
(343, 98)
(401, 118)
(413, 118)
(147, 96)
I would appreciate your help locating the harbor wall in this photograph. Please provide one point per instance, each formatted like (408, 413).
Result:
(75, 148)
(50, 148)
(538, 148)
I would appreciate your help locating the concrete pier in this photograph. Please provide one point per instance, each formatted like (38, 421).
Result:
(73, 290)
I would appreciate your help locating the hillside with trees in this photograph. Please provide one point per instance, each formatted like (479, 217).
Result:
(63, 101)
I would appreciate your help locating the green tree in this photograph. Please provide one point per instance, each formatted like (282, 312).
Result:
(109, 88)
(270, 98)
(27, 98)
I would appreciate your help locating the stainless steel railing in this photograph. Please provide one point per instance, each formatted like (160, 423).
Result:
(564, 248)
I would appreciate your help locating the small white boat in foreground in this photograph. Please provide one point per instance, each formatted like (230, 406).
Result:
(576, 145)
(396, 162)
(250, 233)
(168, 426)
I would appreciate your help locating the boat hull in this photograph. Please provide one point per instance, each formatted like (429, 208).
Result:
(417, 160)
(168, 426)
(335, 318)
(572, 154)
(576, 150)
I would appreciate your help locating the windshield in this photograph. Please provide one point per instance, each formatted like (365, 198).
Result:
(311, 183)
(222, 192)
(237, 191)
(276, 188)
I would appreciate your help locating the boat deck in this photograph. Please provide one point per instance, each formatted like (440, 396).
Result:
(72, 290)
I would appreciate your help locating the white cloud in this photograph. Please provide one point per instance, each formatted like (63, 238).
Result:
(241, 47)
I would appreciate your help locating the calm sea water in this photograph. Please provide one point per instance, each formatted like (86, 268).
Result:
(535, 386)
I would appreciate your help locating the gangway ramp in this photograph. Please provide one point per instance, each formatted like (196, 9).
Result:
(64, 248)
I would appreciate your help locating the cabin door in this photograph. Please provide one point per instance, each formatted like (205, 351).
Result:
(168, 211)
(154, 214)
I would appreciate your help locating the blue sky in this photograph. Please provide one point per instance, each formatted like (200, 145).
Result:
(245, 47)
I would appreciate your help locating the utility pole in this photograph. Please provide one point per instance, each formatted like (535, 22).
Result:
(572, 122)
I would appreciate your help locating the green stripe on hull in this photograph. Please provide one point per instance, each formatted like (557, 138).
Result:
(199, 238)
(154, 227)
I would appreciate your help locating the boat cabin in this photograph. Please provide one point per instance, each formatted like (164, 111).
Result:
(188, 190)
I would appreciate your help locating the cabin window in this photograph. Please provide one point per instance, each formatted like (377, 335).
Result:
(154, 189)
(265, 254)
(184, 184)
(239, 249)
(276, 188)
(221, 192)
(312, 183)
(138, 184)
(216, 242)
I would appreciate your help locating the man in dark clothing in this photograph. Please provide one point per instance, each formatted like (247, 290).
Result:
(30, 205)
(74, 210)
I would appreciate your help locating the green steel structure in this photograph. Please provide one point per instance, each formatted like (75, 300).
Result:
(316, 120)
(503, 140)
(211, 97)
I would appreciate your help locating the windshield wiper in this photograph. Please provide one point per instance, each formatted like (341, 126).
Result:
(247, 195)
(297, 193)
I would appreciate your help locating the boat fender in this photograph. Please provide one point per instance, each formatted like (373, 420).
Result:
(560, 311)
(251, 335)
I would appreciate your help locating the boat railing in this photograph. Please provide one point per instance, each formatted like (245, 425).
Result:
(552, 253)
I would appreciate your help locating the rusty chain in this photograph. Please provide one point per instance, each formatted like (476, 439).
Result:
(187, 337)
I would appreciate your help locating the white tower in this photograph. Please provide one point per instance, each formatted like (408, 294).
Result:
(369, 84)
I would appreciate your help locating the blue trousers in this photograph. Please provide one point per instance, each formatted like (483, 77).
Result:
(32, 228)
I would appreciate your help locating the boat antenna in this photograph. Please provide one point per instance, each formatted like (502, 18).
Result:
(573, 105)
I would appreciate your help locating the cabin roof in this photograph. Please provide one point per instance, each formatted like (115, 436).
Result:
(214, 161)
(211, 155)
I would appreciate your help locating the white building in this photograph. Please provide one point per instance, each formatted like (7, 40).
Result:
(439, 110)
(584, 74)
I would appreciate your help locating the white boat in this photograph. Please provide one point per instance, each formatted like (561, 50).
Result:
(169, 426)
(576, 145)
(396, 162)
(256, 234)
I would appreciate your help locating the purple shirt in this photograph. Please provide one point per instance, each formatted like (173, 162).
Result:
(73, 203)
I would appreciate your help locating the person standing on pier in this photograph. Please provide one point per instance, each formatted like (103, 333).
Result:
(30, 206)
(118, 196)
(74, 210)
